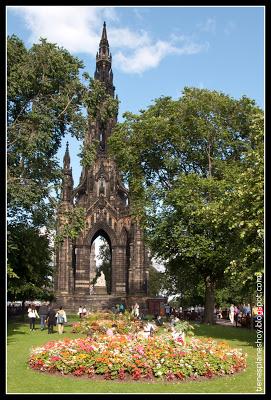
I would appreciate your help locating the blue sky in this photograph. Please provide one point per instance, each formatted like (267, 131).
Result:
(156, 50)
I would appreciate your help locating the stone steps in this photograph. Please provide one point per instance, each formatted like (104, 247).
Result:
(97, 302)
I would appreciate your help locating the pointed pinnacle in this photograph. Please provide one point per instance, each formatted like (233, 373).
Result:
(66, 158)
(104, 35)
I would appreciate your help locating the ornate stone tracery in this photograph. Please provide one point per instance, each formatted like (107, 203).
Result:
(107, 212)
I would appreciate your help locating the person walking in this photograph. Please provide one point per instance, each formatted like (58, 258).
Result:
(60, 320)
(43, 315)
(231, 314)
(167, 311)
(219, 313)
(51, 319)
(236, 315)
(32, 315)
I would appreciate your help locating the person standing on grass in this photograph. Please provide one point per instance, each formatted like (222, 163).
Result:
(167, 311)
(32, 315)
(43, 315)
(236, 314)
(136, 310)
(219, 313)
(51, 319)
(121, 308)
(60, 320)
(231, 314)
(80, 311)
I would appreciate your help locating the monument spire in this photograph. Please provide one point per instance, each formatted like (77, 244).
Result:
(103, 70)
(66, 158)
(104, 35)
(102, 200)
(67, 176)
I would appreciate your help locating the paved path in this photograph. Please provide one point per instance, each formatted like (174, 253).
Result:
(227, 322)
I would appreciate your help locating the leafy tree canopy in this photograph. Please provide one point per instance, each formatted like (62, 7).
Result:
(186, 161)
(44, 102)
(29, 263)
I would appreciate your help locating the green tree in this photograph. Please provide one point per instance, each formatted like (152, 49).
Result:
(245, 210)
(156, 280)
(44, 102)
(182, 159)
(30, 263)
(75, 223)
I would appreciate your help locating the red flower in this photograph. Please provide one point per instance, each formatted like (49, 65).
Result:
(121, 374)
(79, 371)
(170, 376)
(208, 374)
(179, 375)
(107, 376)
(55, 358)
(136, 374)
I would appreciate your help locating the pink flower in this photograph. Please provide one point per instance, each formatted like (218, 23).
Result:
(140, 350)
(55, 358)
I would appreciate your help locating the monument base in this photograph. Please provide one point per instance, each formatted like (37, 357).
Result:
(100, 290)
(99, 302)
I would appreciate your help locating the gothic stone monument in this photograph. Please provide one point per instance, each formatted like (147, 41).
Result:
(107, 213)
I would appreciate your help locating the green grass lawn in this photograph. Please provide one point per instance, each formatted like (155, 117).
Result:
(21, 379)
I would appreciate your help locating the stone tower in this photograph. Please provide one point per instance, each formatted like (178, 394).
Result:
(105, 200)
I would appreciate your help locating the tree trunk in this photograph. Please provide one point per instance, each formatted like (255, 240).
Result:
(251, 316)
(209, 301)
(23, 310)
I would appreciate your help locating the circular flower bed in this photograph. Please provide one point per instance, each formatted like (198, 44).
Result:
(98, 323)
(123, 356)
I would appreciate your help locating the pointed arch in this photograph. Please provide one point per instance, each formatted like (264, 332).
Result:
(99, 228)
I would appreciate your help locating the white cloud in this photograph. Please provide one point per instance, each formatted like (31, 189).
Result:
(229, 28)
(78, 29)
(208, 26)
(148, 57)
(125, 38)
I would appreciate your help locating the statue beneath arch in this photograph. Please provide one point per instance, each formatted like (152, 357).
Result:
(105, 200)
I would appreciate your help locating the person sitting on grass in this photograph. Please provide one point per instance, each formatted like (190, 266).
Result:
(148, 329)
(152, 327)
(141, 333)
(159, 321)
(173, 320)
